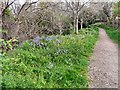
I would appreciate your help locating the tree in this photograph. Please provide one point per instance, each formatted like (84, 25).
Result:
(22, 11)
(76, 7)
(116, 9)
(87, 16)
(107, 6)
(5, 12)
(116, 14)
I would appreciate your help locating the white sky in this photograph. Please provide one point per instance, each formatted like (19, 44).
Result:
(22, 1)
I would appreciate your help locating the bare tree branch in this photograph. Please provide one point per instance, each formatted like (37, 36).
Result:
(7, 5)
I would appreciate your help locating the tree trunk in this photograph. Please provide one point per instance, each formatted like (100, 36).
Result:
(60, 27)
(76, 24)
(108, 21)
(17, 28)
(4, 34)
(81, 24)
(113, 23)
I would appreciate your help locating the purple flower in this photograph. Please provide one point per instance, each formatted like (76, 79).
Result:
(36, 40)
(48, 39)
(58, 41)
(54, 37)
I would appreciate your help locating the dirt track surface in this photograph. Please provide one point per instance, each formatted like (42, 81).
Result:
(103, 68)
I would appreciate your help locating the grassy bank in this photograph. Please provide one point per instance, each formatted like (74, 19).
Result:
(113, 33)
(52, 62)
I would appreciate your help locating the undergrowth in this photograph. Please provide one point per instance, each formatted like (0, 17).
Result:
(50, 62)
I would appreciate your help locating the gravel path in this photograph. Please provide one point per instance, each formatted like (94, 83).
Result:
(103, 68)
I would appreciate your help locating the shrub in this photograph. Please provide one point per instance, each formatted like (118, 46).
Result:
(7, 45)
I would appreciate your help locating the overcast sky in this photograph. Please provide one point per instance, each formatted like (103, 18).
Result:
(22, 1)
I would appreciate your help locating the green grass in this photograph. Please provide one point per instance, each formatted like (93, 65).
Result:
(113, 33)
(56, 65)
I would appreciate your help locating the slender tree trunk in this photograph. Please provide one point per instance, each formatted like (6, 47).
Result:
(4, 34)
(77, 24)
(81, 24)
(60, 24)
(60, 27)
(17, 28)
(74, 27)
(113, 23)
(108, 21)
